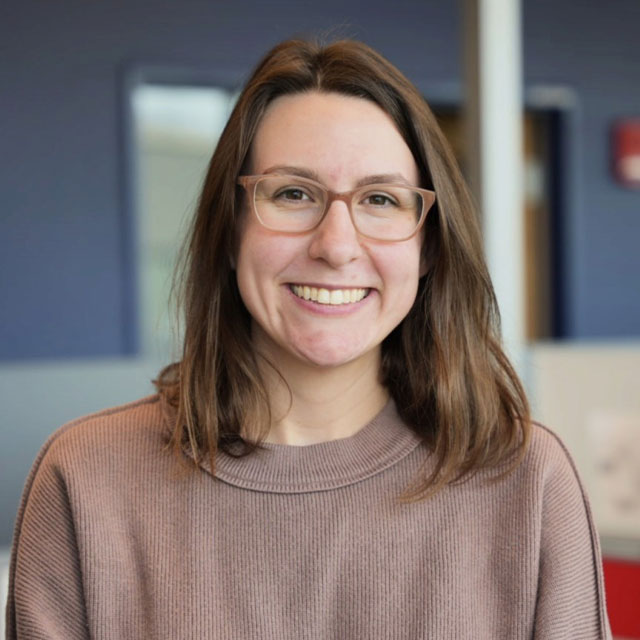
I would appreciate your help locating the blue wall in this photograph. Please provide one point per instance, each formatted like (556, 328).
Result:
(66, 284)
(593, 48)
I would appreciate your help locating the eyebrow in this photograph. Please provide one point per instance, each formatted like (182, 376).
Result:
(378, 178)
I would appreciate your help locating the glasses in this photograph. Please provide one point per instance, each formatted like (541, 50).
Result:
(291, 204)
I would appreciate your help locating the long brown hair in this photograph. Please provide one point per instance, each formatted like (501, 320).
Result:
(443, 365)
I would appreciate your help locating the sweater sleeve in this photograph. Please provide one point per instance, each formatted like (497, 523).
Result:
(570, 601)
(45, 582)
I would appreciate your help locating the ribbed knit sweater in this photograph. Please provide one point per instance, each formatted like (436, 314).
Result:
(115, 540)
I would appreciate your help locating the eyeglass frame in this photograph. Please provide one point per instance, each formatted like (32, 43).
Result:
(249, 184)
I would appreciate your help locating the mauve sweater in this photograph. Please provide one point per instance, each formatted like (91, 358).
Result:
(114, 540)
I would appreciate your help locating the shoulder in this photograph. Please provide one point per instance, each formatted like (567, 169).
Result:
(547, 457)
(107, 438)
(109, 426)
(84, 476)
(546, 482)
(546, 446)
(570, 565)
(98, 462)
(554, 482)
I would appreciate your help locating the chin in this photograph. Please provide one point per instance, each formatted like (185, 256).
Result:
(330, 356)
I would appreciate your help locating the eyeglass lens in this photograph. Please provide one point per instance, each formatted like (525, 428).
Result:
(386, 212)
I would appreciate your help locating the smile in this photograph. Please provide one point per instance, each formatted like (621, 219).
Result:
(329, 296)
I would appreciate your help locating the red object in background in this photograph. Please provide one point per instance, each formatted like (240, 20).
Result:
(626, 152)
(622, 586)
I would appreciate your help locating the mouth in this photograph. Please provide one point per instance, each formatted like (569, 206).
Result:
(329, 296)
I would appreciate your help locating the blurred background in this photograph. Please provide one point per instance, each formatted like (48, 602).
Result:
(110, 111)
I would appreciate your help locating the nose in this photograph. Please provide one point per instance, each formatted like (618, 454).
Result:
(336, 240)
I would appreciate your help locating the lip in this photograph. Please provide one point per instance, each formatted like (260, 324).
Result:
(329, 287)
(327, 309)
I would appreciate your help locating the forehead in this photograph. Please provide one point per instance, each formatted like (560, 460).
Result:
(340, 138)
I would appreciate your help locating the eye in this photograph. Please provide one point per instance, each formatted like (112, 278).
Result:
(379, 200)
(293, 194)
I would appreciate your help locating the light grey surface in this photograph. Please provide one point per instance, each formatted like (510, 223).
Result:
(37, 398)
(4, 583)
(588, 395)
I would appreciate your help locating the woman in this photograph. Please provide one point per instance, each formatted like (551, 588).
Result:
(344, 451)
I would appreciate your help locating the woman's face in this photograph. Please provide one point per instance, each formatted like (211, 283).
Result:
(342, 141)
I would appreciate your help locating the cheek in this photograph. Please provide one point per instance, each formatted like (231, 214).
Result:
(252, 262)
(262, 258)
(400, 266)
(260, 253)
(401, 275)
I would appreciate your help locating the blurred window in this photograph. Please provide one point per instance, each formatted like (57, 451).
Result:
(176, 129)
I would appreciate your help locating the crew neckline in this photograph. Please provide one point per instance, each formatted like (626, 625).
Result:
(282, 468)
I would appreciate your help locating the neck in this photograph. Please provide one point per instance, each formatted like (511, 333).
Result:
(312, 404)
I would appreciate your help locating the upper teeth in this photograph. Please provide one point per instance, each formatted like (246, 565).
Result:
(328, 296)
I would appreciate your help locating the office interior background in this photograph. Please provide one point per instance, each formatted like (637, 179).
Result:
(110, 111)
